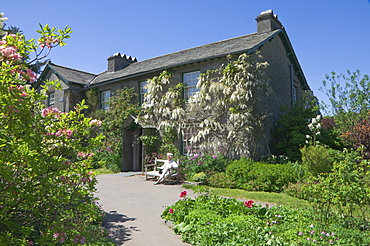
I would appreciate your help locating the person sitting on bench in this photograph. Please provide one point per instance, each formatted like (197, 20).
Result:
(167, 166)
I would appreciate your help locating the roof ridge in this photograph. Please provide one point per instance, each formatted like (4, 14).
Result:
(73, 69)
(203, 45)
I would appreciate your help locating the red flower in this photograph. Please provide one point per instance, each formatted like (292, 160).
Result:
(170, 211)
(182, 194)
(249, 203)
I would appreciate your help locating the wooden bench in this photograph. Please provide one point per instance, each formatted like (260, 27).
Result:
(152, 171)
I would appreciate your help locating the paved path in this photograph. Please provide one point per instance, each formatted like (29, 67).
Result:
(133, 208)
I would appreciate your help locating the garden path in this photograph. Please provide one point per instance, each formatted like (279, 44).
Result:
(133, 207)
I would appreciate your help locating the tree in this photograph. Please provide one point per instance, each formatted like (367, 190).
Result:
(292, 127)
(349, 97)
(45, 182)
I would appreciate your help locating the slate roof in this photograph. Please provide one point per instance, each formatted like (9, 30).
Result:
(242, 44)
(69, 75)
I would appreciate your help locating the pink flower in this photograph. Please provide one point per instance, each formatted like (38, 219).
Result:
(170, 211)
(50, 111)
(68, 133)
(182, 194)
(95, 122)
(79, 239)
(249, 203)
(31, 75)
(81, 155)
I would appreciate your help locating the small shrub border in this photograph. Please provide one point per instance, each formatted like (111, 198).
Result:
(213, 220)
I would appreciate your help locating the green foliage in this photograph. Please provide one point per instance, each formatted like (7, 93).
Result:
(206, 163)
(150, 142)
(360, 136)
(199, 177)
(295, 190)
(92, 100)
(292, 127)
(346, 189)
(46, 155)
(349, 98)
(163, 108)
(213, 220)
(220, 180)
(258, 176)
(319, 159)
(122, 104)
(168, 139)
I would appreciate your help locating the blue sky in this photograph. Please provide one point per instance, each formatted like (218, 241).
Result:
(327, 35)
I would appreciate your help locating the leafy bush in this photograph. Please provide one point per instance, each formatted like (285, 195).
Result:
(109, 159)
(346, 189)
(45, 179)
(220, 180)
(258, 176)
(213, 220)
(207, 163)
(199, 177)
(295, 190)
(319, 159)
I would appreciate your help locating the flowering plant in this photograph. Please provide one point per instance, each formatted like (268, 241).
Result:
(46, 186)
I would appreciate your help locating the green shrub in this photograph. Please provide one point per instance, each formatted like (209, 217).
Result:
(294, 190)
(213, 220)
(199, 177)
(319, 159)
(259, 176)
(220, 180)
(207, 163)
(109, 159)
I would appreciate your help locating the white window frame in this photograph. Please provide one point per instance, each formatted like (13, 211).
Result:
(104, 99)
(143, 91)
(51, 99)
(190, 81)
(187, 133)
(294, 93)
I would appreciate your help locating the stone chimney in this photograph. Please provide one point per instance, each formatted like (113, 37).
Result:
(267, 22)
(118, 61)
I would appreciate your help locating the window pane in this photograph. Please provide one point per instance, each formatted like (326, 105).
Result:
(51, 100)
(105, 95)
(143, 91)
(190, 81)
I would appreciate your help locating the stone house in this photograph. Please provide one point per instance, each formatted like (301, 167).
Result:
(271, 40)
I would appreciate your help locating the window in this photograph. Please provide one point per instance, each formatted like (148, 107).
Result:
(104, 99)
(294, 93)
(190, 81)
(51, 99)
(189, 147)
(143, 91)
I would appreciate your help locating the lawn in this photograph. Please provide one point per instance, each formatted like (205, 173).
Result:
(265, 197)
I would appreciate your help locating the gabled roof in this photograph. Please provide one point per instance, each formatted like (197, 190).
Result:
(68, 75)
(247, 43)
(243, 44)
